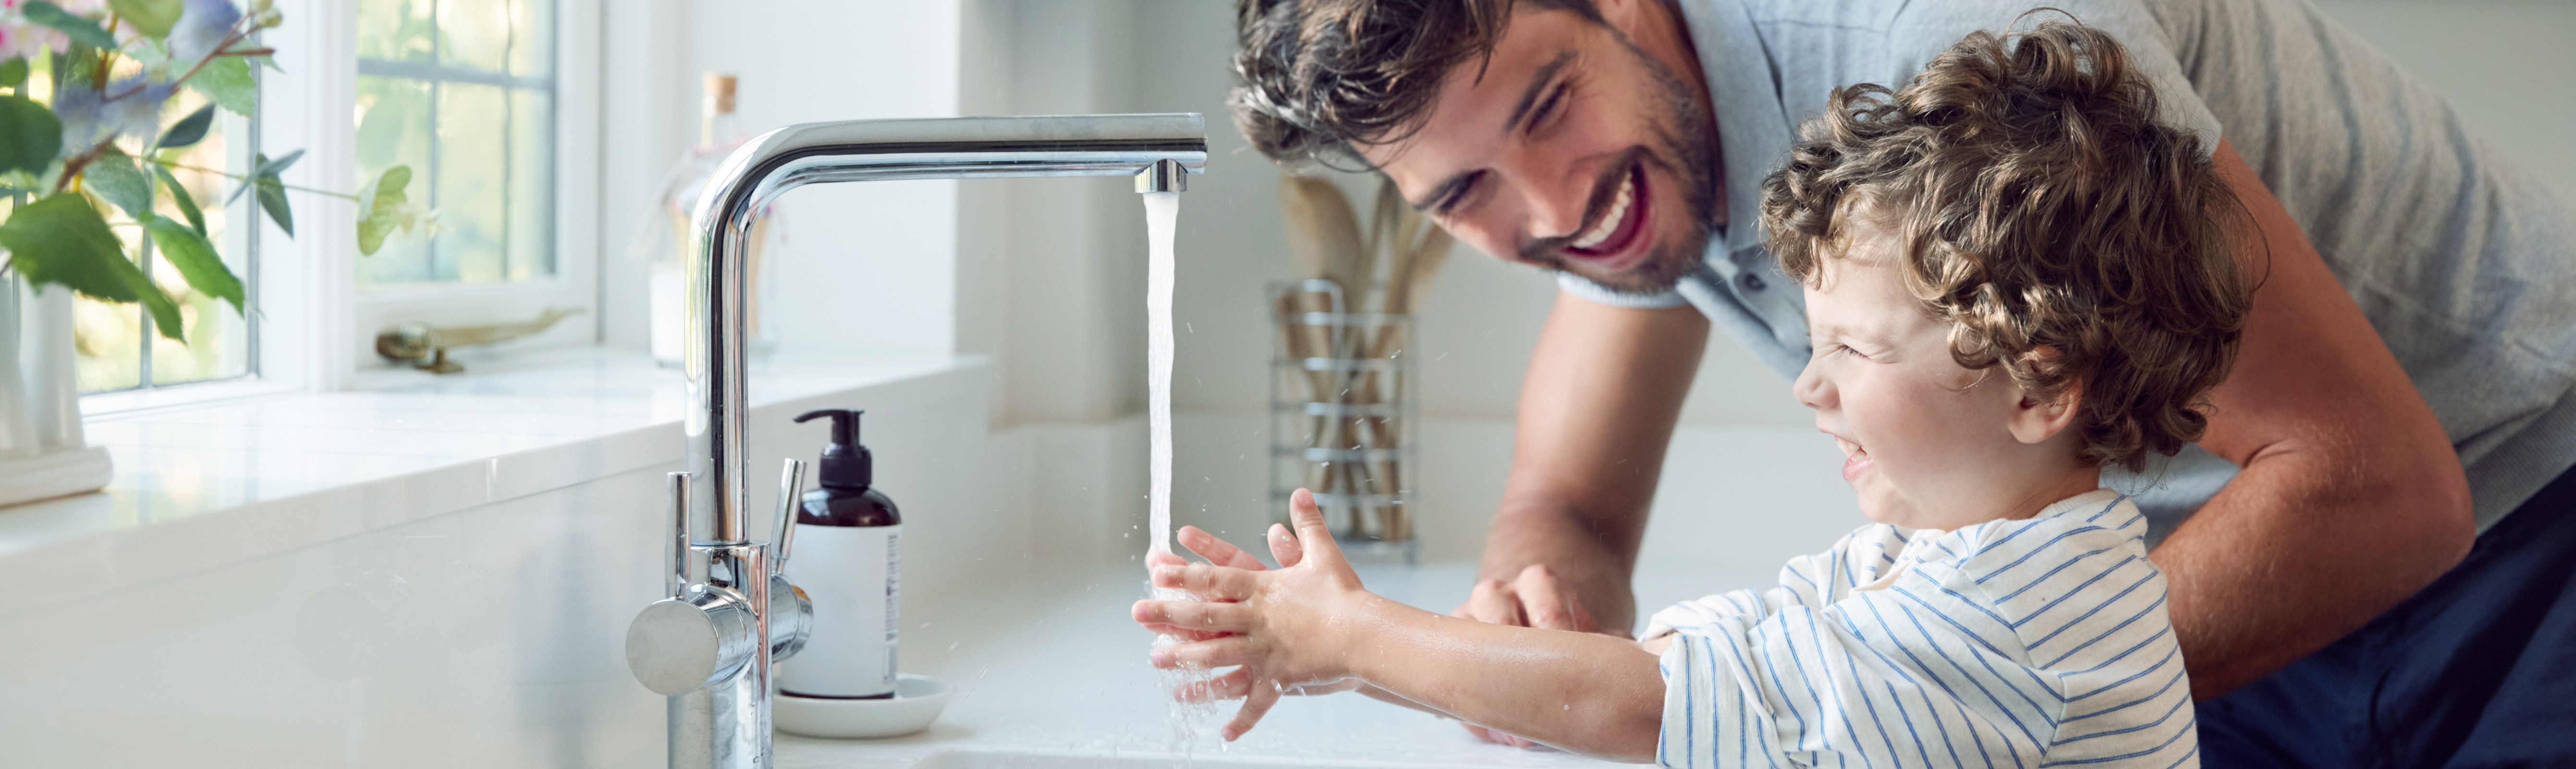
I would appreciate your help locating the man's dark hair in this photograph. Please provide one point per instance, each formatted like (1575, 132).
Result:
(1314, 77)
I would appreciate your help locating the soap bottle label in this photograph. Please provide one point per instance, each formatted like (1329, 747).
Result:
(853, 574)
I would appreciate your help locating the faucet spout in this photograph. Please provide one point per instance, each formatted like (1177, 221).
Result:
(856, 151)
(722, 575)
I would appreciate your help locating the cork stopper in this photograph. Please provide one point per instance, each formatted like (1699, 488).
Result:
(719, 91)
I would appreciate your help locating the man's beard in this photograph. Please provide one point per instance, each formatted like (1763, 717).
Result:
(1686, 149)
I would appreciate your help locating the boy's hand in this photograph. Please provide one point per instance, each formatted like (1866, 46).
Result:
(1288, 629)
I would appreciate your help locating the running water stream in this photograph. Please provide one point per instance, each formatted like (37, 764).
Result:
(1162, 216)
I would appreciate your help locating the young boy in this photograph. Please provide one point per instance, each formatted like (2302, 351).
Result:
(2014, 277)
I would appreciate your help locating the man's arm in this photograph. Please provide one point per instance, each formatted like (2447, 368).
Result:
(1604, 387)
(2350, 498)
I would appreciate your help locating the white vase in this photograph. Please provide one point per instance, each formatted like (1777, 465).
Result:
(42, 452)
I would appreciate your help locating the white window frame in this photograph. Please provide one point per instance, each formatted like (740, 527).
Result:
(315, 329)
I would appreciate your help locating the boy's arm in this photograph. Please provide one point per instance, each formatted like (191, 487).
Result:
(1585, 693)
(1313, 625)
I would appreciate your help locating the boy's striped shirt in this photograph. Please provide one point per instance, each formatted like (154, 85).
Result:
(2029, 643)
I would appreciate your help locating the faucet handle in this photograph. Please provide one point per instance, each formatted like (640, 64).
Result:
(791, 619)
(679, 645)
(791, 484)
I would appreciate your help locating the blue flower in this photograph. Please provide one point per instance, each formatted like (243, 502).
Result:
(202, 26)
(90, 116)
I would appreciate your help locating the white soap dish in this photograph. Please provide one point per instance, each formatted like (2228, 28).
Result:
(916, 702)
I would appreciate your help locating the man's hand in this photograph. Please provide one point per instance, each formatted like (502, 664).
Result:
(1532, 599)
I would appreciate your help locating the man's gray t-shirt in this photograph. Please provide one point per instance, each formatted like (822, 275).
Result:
(2464, 263)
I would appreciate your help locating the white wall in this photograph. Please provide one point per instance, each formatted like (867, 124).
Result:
(798, 62)
(2502, 63)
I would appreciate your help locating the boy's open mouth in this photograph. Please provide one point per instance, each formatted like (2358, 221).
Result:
(1855, 458)
(1619, 232)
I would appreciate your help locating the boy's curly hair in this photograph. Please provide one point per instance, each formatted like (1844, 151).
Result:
(2037, 203)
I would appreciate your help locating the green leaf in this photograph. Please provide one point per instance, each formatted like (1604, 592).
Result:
(261, 166)
(269, 167)
(150, 17)
(272, 198)
(82, 31)
(60, 240)
(189, 130)
(384, 200)
(114, 177)
(30, 136)
(195, 258)
(227, 81)
(179, 194)
(13, 73)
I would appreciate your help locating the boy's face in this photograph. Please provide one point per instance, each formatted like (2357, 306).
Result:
(1928, 444)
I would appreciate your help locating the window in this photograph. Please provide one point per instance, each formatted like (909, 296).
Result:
(475, 96)
(462, 91)
(469, 94)
(117, 347)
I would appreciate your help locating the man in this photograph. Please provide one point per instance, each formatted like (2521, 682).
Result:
(2399, 407)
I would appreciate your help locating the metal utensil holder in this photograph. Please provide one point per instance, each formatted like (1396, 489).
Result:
(1342, 417)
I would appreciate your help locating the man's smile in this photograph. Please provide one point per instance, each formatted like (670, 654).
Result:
(1617, 238)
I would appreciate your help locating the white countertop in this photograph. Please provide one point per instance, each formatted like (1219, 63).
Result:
(1064, 672)
(207, 484)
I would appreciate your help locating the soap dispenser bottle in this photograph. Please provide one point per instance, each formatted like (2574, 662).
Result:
(848, 561)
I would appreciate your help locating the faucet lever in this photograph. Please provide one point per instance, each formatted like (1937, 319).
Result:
(791, 484)
(677, 491)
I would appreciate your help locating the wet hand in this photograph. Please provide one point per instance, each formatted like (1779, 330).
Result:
(1283, 548)
(1285, 628)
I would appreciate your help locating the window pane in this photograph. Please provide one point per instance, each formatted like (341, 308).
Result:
(107, 342)
(532, 176)
(218, 345)
(393, 129)
(477, 34)
(396, 29)
(480, 145)
(532, 50)
(108, 337)
(473, 183)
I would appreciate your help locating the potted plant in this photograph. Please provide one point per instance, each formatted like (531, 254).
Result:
(84, 153)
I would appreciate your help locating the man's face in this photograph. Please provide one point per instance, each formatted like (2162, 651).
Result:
(1578, 147)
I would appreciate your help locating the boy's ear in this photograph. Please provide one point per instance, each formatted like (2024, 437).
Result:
(2035, 421)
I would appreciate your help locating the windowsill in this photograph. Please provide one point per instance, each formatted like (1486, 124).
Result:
(225, 480)
(114, 405)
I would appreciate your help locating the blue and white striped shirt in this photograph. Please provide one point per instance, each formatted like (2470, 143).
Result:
(2028, 643)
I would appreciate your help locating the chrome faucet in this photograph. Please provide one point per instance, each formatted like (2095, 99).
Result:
(708, 645)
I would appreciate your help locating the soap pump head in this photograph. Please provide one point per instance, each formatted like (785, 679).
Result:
(846, 464)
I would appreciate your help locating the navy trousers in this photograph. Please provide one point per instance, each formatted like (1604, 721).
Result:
(2478, 670)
